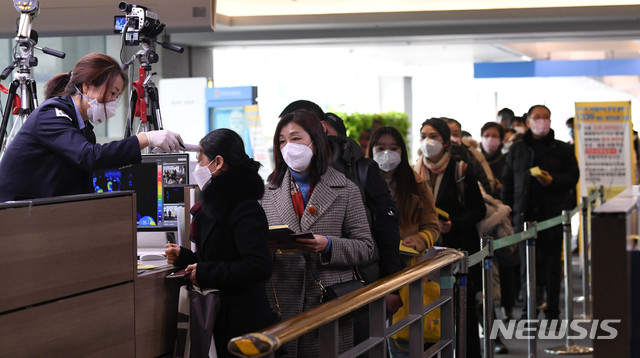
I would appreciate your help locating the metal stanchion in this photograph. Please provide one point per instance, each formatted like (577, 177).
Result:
(487, 295)
(531, 288)
(601, 193)
(584, 259)
(461, 329)
(569, 348)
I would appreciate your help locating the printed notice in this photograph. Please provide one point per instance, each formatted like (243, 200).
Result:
(603, 146)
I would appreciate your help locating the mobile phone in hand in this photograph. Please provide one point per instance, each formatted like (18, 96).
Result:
(180, 274)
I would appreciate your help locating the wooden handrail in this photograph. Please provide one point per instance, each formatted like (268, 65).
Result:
(273, 337)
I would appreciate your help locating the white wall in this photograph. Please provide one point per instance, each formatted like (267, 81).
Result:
(347, 79)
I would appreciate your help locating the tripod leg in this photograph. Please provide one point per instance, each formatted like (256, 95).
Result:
(31, 84)
(154, 107)
(7, 112)
(132, 110)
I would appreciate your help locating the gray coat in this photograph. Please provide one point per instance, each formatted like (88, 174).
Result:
(340, 214)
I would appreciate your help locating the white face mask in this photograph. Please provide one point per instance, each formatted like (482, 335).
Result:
(490, 144)
(202, 175)
(297, 156)
(540, 127)
(430, 147)
(387, 160)
(96, 112)
(520, 129)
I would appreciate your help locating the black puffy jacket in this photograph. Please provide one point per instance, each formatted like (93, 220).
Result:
(557, 158)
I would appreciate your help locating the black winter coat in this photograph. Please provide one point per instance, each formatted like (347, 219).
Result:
(382, 209)
(558, 159)
(232, 254)
(463, 215)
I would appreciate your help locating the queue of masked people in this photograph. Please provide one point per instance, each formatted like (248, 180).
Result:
(353, 209)
(358, 206)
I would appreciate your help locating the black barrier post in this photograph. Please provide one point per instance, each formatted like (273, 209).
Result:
(461, 333)
(585, 259)
(569, 348)
(531, 288)
(487, 294)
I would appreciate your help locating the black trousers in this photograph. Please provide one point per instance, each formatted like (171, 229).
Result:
(549, 268)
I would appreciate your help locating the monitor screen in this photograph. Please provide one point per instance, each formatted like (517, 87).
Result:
(158, 181)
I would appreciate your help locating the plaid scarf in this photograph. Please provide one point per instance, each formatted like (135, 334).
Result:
(296, 197)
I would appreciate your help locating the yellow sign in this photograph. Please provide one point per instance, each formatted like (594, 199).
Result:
(603, 144)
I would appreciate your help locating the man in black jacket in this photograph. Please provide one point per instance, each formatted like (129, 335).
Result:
(537, 195)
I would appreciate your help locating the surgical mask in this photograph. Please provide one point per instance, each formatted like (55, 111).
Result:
(387, 160)
(96, 111)
(540, 127)
(520, 129)
(202, 175)
(456, 139)
(297, 156)
(490, 144)
(430, 147)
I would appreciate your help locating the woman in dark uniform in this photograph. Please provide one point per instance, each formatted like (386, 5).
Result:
(55, 151)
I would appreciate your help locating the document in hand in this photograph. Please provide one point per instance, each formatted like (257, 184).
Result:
(442, 215)
(406, 250)
(536, 172)
(285, 236)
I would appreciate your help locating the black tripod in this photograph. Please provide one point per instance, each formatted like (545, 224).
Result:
(144, 100)
(22, 97)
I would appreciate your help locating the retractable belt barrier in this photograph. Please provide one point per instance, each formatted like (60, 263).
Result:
(485, 256)
(453, 266)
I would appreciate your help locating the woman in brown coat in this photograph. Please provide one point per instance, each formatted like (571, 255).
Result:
(419, 227)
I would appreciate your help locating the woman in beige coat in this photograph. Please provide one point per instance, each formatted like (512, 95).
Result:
(307, 195)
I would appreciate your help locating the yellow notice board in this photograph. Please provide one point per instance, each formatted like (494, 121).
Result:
(603, 142)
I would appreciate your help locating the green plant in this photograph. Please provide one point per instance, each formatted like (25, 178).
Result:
(357, 123)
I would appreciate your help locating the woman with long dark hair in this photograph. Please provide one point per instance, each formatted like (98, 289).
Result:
(55, 151)
(419, 227)
(230, 230)
(306, 194)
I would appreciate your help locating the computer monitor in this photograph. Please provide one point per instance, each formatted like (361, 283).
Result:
(158, 181)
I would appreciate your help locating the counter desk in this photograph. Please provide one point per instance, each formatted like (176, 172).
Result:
(70, 285)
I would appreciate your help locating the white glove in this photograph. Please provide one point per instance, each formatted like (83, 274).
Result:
(166, 141)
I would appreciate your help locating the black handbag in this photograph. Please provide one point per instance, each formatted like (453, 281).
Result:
(328, 293)
(339, 289)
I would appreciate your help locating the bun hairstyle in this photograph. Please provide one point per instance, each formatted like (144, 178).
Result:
(229, 145)
(94, 69)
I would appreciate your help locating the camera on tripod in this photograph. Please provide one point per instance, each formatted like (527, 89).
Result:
(138, 24)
